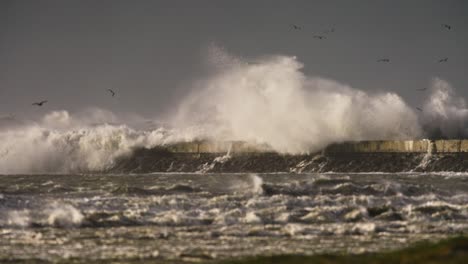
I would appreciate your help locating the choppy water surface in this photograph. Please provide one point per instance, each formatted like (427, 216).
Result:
(194, 217)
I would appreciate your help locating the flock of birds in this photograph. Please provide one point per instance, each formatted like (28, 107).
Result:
(323, 36)
(324, 33)
(320, 37)
(384, 60)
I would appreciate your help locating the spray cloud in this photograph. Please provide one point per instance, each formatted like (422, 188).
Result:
(272, 101)
(444, 114)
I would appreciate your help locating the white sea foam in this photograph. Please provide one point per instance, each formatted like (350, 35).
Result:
(18, 218)
(252, 218)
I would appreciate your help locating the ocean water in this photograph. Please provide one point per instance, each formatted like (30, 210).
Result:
(176, 218)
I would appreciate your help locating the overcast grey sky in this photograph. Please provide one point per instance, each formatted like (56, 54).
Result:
(70, 52)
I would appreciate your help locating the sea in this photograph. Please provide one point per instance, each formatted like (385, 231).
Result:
(203, 217)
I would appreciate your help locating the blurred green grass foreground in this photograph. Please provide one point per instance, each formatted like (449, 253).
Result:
(454, 250)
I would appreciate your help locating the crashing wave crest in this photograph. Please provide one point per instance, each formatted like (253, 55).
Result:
(270, 101)
(60, 143)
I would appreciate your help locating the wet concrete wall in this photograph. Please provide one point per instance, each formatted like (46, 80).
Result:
(402, 146)
(218, 147)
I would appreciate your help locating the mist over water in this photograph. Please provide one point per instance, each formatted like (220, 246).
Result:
(267, 100)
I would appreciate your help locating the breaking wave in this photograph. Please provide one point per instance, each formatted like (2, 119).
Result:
(270, 101)
(444, 114)
(60, 143)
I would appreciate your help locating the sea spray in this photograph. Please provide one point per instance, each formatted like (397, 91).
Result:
(64, 143)
(257, 183)
(274, 102)
(64, 215)
(427, 158)
(444, 115)
(37, 149)
(271, 101)
(209, 166)
(18, 218)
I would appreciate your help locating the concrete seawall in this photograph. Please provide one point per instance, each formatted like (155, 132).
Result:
(364, 156)
(218, 147)
(403, 146)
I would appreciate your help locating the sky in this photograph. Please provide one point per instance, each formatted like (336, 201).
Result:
(150, 52)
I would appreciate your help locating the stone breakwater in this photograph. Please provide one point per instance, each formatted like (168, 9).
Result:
(365, 156)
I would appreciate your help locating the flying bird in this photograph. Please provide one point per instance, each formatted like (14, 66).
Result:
(40, 103)
(419, 109)
(447, 26)
(296, 27)
(422, 89)
(383, 60)
(319, 37)
(112, 92)
(443, 60)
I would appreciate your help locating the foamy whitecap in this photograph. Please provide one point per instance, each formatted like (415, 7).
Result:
(64, 215)
(18, 218)
(252, 218)
(63, 143)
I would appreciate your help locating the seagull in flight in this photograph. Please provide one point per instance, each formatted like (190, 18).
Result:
(422, 89)
(447, 26)
(383, 60)
(319, 37)
(111, 91)
(296, 27)
(419, 109)
(443, 60)
(40, 103)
